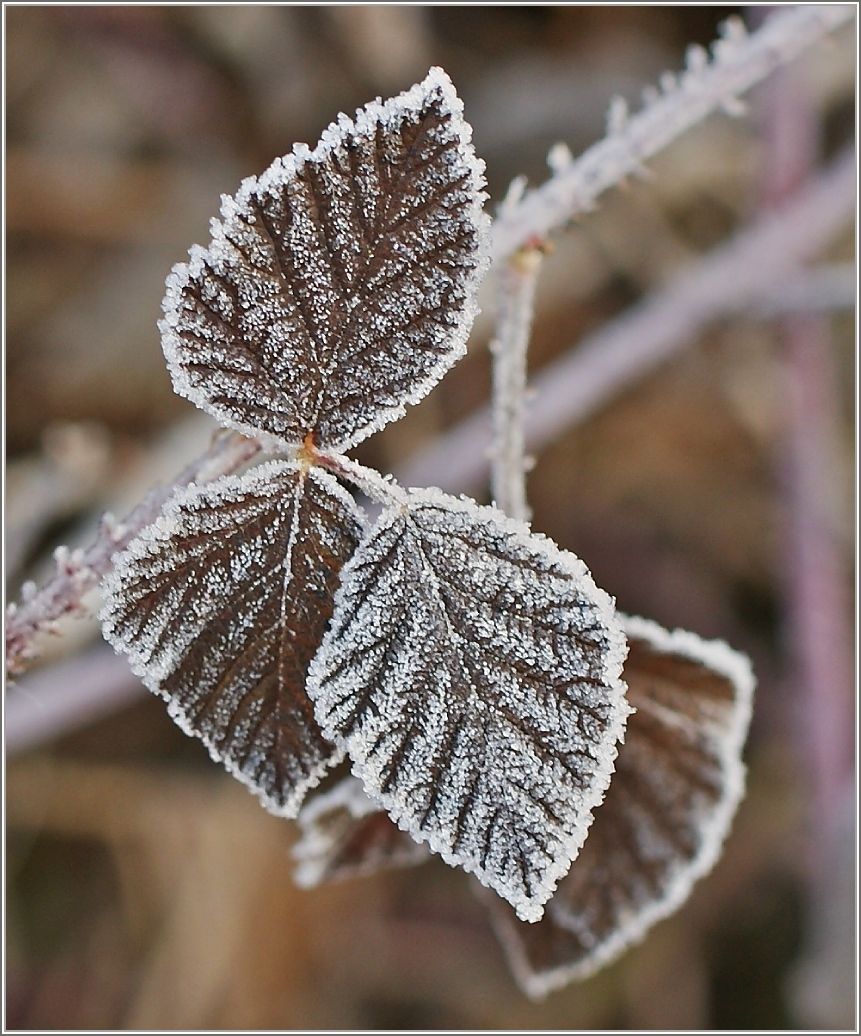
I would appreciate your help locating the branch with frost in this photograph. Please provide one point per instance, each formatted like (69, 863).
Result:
(738, 62)
(517, 280)
(80, 571)
(733, 278)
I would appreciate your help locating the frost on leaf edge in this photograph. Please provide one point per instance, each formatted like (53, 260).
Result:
(310, 852)
(281, 171)
(150, 676)
(536, 544)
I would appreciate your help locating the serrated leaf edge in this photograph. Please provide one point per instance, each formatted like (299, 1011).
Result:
(283, 169)
(536, 544)
(151, 676)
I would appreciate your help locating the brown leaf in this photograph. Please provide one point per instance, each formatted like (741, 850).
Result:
(339, 286)
(221, 605)
(678, 781)
(345, 834)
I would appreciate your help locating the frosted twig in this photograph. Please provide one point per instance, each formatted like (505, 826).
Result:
(730, 279)
(738, 62)
(78, 572)
(516, 295)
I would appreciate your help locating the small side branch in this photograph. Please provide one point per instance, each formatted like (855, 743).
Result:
(80, 571)
(738, 62)
(517, 282)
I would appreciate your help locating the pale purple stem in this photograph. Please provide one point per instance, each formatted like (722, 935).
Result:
(818, 626)
(819, 636)
(70, 695)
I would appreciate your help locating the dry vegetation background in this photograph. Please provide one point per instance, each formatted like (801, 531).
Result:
(145, 888)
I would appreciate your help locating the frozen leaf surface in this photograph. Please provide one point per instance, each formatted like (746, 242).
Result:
(471, 672)
(679, 778)
(339, 285)
(345, 834)
(221, 605)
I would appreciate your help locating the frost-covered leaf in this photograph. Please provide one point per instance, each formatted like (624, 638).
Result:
(339, 285)
(471, 672)
(220, 606)
(346, 834)
(679, 778)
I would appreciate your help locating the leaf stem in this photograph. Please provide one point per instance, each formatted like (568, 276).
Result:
(517, 283)
(381, 488)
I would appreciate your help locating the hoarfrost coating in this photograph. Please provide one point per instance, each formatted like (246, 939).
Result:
(471, 670)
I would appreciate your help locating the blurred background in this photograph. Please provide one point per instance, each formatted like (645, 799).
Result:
(144, 887)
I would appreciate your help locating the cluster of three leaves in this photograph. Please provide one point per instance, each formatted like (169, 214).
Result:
(469, 668)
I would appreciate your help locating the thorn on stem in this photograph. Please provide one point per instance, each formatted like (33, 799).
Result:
(559, 158)
(617, 115)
